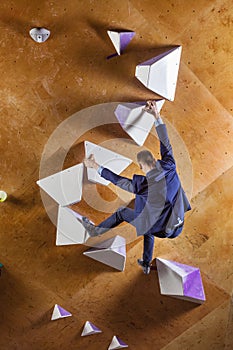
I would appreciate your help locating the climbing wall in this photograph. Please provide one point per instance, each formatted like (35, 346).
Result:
(42, 86)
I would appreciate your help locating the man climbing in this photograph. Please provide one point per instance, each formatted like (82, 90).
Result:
(160, 201)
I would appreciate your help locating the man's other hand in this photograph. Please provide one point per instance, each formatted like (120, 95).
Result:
(151, 107)
(90, 162)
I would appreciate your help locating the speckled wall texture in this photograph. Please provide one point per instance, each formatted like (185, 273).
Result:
(42, 85)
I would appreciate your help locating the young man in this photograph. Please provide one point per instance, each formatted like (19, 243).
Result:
(160, 202)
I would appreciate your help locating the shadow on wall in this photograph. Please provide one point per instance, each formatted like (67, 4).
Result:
(14, 295)
(142, 307)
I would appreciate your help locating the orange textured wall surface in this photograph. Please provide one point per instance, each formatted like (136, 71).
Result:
(42, 85)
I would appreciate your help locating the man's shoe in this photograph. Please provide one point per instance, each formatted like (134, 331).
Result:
(91, 228)
(145, 267)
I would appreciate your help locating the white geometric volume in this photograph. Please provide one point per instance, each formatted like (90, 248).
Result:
(65, 187)
(69, 228)
(117, 343)
(89, 328)
(109, 159)
(59, 312)
(180, 281)
(160, 73)
(135, 121)
(110, 252)
(120, 39)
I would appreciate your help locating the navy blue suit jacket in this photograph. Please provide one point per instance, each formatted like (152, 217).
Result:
(160, 201)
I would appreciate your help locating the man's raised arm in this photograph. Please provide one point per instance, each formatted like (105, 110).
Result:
(165, 146)
(120, 181)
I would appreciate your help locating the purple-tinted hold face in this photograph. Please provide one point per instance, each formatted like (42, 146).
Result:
(125, 38)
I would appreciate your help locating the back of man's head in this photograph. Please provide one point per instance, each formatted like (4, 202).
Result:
(146, 157)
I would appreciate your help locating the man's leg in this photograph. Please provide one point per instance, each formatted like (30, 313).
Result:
(148, 247)
(121, 215)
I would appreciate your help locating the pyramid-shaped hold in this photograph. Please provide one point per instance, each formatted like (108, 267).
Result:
(135, 121)
(117, 343)
(59, 312)
(180, 281)
(109, 159)
(160, 73)
(89, 328)
(111, 252)
(65, 187)
(120, 39)
(69, 228)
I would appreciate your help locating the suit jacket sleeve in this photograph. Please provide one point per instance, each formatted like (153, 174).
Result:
(120, 181)
(165, 146)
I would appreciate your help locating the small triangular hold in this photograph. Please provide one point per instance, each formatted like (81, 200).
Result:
(39, 35)
(117, 343)
(160, 73)
(120, 39)
(89, 328)
(136, 122)
(65, 187)
(109, 159)
(59, 312)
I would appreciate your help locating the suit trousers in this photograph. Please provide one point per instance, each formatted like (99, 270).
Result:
(127, 215)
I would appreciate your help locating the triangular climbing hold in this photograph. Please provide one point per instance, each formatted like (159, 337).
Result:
(109, 159)
(110, 252)
(135, 121)
(120, 39)
(65, 187)
(160, 73)
(69, 228)
(117, 343)
(89, 328)
(180, 281)
(59, 312)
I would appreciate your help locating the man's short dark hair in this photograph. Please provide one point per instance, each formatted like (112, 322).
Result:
(146, 157)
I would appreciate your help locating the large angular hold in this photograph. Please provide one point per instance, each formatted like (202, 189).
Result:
(59, 312)
(160, 73)
(69, 228)
(89, 328)
(180, 281)
(135, 121)
(120, 39)
(111, 252)
(65, 187)
(117, 343)
(109, 159)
